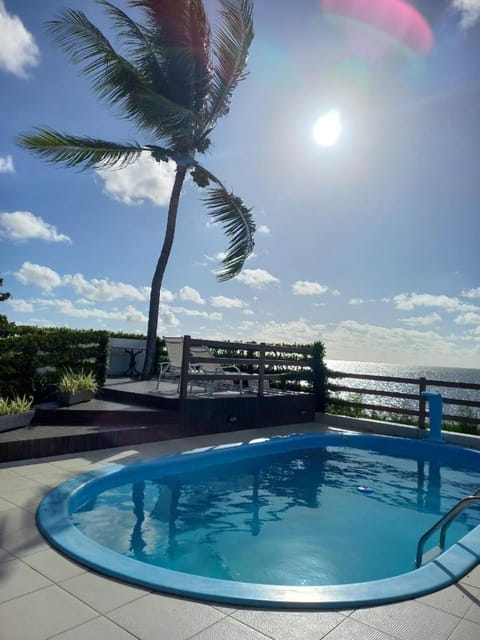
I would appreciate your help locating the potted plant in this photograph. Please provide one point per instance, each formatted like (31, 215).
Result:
(15, 412)
(74, 387)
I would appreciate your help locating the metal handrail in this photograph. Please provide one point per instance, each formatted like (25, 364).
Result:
(444, 522)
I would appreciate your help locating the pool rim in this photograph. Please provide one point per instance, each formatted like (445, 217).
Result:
(54, 522)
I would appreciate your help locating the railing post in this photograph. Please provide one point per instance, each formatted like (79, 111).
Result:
(261, 369)
(421, 403)
(185, 367)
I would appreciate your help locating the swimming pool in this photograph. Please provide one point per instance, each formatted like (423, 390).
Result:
(325, 520)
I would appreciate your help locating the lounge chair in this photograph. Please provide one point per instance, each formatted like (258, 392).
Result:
(214, 368)
(172, 367)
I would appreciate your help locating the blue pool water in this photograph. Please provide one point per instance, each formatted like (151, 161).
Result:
(300, 515)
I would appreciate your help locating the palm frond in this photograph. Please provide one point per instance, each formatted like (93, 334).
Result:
(138, 43)
(181, 123)
(237, 222)
(114, 78)
(231, 45)
(180, 33)
(79, 152)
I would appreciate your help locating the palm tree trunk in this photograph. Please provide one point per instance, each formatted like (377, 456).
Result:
(159, 272)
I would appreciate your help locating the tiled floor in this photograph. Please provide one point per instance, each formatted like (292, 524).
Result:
(43, 595)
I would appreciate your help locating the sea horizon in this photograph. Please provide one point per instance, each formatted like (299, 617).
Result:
(445, 374)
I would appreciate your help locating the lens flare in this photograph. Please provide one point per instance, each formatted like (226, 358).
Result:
(395, 18)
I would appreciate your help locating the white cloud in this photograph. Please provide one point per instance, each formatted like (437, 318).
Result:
(20, 306)
(470, 12)
(471, 293)
(422, 320)
(468, 318)
(357, 301)
(263, 229)
(299, 331)
(335, 292)
(18, 49)
(189, 294)
(6, 164)
(23, 225)
(144, 179)
(105, 290)
(403, 346)
(226, 303)
(256, 278)
(167, 318)
(66, 307)
(409, 301)
(198, 314)
(36, 274)
(306, 288)
(217, 257)
(351, 340)
(166, 295)
(134, 315)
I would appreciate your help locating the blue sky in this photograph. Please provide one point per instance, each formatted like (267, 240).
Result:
(371, 245)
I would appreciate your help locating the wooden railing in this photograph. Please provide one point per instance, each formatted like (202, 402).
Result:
(419, 384)
(258, 356)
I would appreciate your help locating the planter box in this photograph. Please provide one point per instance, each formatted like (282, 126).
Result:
(66, 399)
(16, 420)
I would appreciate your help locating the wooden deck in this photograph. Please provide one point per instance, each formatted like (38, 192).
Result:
(132, 412)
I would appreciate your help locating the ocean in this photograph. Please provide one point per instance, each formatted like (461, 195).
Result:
(446, 374)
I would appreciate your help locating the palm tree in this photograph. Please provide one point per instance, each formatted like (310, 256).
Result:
(173, 80)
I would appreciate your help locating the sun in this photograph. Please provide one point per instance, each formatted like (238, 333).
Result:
(327, 129)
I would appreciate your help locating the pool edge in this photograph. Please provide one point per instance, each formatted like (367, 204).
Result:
(53, 521)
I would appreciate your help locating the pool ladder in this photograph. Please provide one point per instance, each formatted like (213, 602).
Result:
(444, 523)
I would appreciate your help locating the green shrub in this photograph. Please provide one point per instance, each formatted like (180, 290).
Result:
(71, 381)
(18, 404)
(313, 378)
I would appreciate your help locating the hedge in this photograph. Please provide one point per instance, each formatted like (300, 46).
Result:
(24, 349)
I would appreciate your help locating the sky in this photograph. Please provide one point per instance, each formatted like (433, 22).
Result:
(370, 245)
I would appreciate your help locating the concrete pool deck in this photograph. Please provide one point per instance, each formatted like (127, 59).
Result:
(43, 595)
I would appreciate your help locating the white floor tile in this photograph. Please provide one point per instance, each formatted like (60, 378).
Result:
(454, 600)
(4, 504)
(409, 620)
(230, 629)
(27, 499)
(24, 541)
(101, 593)
(351, 629)
(17, 579)
(13, 519)
(53, 565)
(42, 614)
(308, 625)
(473, 578)
(156, 616)
(473, 613)
(14, 482)
(466, 631)
(5, 556)
(97, 629)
